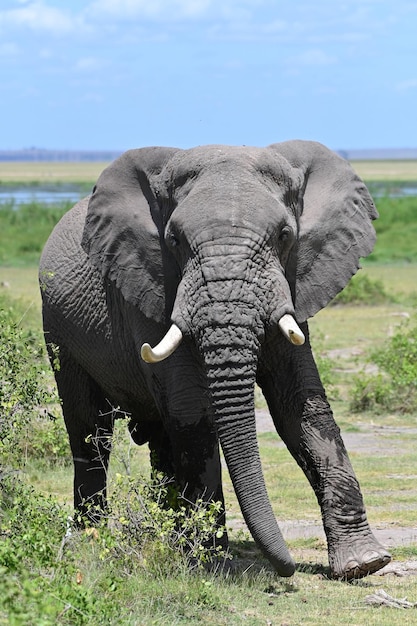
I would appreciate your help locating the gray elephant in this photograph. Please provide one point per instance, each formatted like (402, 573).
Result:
(218, 255)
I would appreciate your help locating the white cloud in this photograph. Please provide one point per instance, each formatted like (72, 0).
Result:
(407, 85)
(150, 9)
(88, 64)
(37, 16)
(312, 57)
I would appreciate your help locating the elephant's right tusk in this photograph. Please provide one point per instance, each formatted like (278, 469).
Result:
(165, 347)
(291, 330)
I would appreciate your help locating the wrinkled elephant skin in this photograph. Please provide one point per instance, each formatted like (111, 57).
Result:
(233, 249)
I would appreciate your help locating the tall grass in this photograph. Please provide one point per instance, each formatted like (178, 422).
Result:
(396, 230)
(24, 231)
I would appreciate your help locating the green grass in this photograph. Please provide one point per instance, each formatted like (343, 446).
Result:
(396, 231)
(253, 594)
(25, 230)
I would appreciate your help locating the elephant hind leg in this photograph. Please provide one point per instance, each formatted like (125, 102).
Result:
(89, 421)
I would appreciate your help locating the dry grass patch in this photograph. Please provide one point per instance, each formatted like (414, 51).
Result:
(39, 172)
(386, 170)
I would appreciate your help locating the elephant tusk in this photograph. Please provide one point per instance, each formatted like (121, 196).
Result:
(165, 347)
(291, 330)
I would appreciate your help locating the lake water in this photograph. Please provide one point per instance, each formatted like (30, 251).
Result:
(59, 194)
(42, 195)
(381, 189)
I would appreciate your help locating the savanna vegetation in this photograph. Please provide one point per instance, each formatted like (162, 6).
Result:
(141, 568)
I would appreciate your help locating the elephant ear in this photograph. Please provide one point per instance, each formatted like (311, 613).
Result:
(123, 231)
(335, 224)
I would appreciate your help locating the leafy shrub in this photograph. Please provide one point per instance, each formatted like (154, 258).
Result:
(25, 386)
(394, 387)
(363, 290)
(53, 577)
(32, 525)
(41, 585)
(160, 536)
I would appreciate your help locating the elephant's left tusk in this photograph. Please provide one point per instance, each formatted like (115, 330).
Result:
(291, 330)
(165, 347)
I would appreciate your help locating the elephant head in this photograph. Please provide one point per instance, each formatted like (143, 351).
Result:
(229, 244)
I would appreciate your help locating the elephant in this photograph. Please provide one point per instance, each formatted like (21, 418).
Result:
(216, 256)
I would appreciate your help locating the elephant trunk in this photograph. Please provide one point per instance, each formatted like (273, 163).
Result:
(230, 295)
(231, 371)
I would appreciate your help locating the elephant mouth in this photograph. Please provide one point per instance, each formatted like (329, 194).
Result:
(172, 339)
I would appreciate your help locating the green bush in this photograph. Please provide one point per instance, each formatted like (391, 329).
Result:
(27, 429)
(394, 387)
(53, 576)
(363, 290)
(40, 584)
(164, 536)
(26, 228)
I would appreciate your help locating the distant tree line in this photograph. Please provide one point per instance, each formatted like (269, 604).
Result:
(40, 154)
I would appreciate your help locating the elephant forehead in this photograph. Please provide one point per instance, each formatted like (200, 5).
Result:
(230, 159)
(231, 215)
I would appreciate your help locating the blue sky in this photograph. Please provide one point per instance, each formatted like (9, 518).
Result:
(117, 74)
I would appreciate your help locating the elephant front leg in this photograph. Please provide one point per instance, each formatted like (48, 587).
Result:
(305, 422)
(353, 550)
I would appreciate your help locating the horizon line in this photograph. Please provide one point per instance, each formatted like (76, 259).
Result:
(91, 154)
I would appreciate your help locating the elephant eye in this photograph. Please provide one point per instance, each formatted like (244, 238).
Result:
(172, 239)
(285, 234)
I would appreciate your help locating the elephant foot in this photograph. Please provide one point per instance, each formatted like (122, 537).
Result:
(358, 558)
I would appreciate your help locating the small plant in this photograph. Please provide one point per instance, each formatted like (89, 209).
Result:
(394, 387)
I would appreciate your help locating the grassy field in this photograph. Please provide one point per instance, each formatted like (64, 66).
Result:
(386, 170)
(38, 172)
(382, 450)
